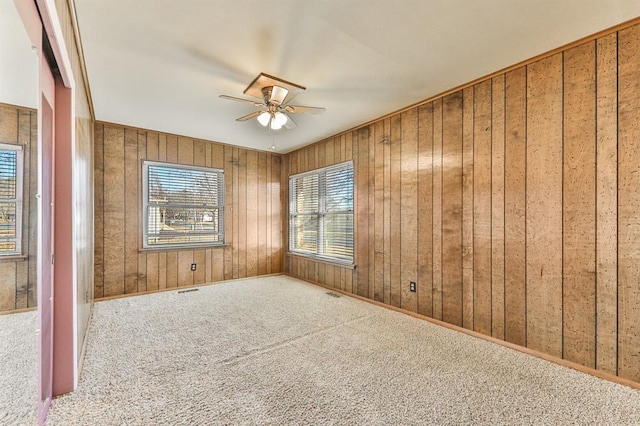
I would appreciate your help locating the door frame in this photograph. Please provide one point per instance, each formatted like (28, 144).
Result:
(39, 15)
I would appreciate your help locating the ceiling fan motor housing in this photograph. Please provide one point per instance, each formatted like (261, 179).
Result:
(274, 95)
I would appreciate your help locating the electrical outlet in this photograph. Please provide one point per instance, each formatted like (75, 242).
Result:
(193, 266)
(412, 286)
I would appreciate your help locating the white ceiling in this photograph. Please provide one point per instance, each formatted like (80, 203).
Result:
(161, 64)
(18, 63)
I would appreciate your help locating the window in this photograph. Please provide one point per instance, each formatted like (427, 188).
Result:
(321, 213)
(183, 205)
(10, 199)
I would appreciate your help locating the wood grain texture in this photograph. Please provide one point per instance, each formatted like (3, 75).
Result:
(276, 220)
(142, 256)
(131, 211)
(261, 219)
(153, 283)
(252, 214)
(380, 258)
(482, 208)
(425, 210)
(628, 203)
(142, 270)
(395, 245)
(18, 285)
(409, 209)
(544, 205)
(606, 204)
(452, 209)
(9, 123)
(199, 258)
(33, 210)
(229, 212)
(579, 209)
(497, 206)
(437, 209)
(361, 221)
(371, 212)
(515, 296)
(8, 287)
(386, 142)
(549, 204)
(114, 215)
(467, 207)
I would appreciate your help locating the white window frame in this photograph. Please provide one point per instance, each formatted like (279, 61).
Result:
(322, 213)
(145, 206)
(18, 198)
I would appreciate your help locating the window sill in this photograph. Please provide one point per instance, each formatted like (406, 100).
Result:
(343, 264)
(181, 248)
(13, 258)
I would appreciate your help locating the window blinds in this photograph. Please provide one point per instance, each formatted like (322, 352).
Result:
(184, 205)
(321, 212)
(10, 199)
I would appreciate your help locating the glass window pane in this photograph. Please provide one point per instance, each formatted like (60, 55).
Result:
(168, 225)
(183, 186)
(7, 246)
(338, 235)
(321, 212)
(7, 220)
(304, 233)
(184, 205)
(306, 193)
(339, 190)
(8, 171)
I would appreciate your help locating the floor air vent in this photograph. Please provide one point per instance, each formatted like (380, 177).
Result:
(332, 294)
(188, 291)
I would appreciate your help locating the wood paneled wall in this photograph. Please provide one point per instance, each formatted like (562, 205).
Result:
(253, 221)
(18, 276)
(82, 175)
(512, 202)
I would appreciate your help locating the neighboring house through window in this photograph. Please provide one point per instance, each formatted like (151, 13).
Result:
(11, 163)
(183, 205)
(321, 213)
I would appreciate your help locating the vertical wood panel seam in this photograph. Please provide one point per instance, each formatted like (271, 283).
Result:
(462, 209)
(103, 209)
(491, 212)
(617, 368)
(442, 210)
(15, 275)
(595, 204)
(504, 207)
(526, 209)
(562, 204)
(473, 210)
(402, 145)
(433, 257)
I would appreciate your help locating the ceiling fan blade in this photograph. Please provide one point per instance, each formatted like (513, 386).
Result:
(290, 124)
(246, 101)
(299, 109)
(249, 116)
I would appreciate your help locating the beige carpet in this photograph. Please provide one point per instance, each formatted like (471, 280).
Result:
(279, 351)
(18, 369)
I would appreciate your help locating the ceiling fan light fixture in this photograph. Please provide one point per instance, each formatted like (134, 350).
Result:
(264, 118)
(275, 125)
(280, 119)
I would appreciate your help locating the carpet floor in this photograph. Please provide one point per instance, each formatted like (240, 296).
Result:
(18, 369)
(279, 351)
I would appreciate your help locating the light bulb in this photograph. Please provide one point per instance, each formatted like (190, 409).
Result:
(275, 125)
(264, 117)
(280, 118)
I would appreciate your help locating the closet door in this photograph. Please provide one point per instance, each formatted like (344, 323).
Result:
(45, 234)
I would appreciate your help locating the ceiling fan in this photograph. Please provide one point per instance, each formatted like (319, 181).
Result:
(274, 108)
